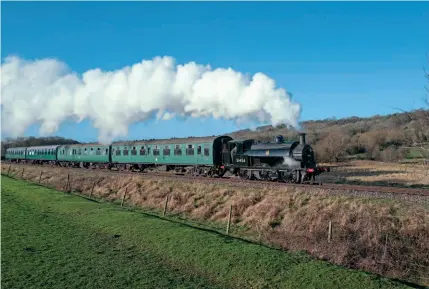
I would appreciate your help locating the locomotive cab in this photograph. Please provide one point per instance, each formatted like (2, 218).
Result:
(232, 152)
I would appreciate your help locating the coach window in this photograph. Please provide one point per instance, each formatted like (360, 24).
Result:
(206, 151)
(190, 150)
(148, 150)
(125, 151)
(134, 151)
(199, 150)
(107, 152)
(98, 151)
(142, 151)
(177, 151)
(156, 151)
(118, 151)
(166, 151)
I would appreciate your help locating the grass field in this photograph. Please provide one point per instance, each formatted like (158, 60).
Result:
(55, 240)
(378, 173)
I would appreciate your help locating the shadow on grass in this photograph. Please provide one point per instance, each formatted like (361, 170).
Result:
(396, 183)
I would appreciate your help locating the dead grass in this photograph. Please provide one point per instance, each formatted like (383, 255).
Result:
(386, 237)
(378, 173)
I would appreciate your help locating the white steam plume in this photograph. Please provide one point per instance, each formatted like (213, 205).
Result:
(290, 162)
(47, 92)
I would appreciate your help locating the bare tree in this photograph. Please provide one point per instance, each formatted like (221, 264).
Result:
(336, 143)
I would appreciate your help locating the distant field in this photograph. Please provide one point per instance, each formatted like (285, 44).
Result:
(55, 240)
(378, 173)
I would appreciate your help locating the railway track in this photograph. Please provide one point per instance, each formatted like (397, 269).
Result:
(245, 183)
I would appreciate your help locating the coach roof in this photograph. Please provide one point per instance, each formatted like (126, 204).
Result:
(169, 141)
(43, 147)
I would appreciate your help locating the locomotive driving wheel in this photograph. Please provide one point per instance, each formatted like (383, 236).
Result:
(245, 174)
(296, 177)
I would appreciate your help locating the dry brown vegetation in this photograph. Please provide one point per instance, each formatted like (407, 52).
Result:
(383, 236)
(382, 138)
(373, 172)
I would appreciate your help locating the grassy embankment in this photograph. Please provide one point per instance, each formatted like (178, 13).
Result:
(56, 240)
(382, 236)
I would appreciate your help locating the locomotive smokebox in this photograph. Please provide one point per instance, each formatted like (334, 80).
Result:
(302, 138)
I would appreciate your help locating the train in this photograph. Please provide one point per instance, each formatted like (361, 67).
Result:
(277, 160)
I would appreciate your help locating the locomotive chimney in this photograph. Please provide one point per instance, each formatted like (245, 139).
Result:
(302, 138)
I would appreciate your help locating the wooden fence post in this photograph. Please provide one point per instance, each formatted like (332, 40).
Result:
(92, 189)
(229, 219)
(22, 174)
(40, 177)
(123, 197)
(68, 183)
(8, 171)
(165, 205)
(384, 251)
(329, 232)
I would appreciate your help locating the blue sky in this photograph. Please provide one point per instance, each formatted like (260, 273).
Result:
(338, 59)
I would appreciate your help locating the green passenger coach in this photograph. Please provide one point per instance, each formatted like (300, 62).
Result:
(42, 154)
(84, 155)
(16, 154)
(202, 151)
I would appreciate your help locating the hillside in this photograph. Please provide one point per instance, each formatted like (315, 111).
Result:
(384, 138)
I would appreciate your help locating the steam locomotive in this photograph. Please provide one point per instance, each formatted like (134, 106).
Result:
(279, 160)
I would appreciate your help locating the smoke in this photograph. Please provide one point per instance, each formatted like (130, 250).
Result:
(290, 162)
(46, 92)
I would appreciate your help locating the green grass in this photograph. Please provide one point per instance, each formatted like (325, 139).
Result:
(56, 240)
